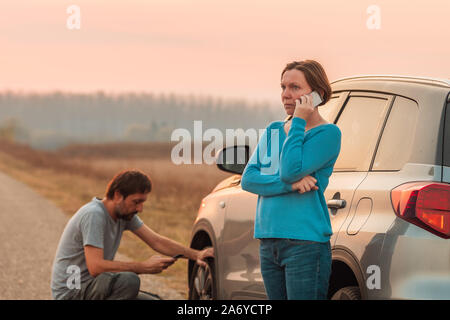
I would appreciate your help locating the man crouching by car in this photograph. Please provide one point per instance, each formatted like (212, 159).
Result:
(83, 267)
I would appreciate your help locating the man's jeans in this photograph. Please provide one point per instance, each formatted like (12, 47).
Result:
(111, 286)
(295, 269)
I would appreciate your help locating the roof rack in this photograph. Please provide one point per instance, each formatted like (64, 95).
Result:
(434, 81)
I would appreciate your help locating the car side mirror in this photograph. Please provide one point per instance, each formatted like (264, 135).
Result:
(233, 159)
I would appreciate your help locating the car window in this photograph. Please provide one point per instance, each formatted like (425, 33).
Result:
(447, 137)
(360, 123)
(396, 142)
(329, 110)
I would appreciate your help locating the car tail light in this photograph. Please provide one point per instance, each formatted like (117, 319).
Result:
(425, 204)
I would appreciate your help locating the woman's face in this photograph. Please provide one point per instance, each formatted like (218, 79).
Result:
(293, 86)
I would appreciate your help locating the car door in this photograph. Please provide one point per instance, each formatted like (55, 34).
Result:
(240, 261)
(360, 120)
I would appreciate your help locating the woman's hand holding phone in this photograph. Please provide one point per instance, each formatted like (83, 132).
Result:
(304, 107)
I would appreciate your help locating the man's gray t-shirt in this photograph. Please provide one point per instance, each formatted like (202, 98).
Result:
(91, 225)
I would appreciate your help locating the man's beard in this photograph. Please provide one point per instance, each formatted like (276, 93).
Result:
(126, 217)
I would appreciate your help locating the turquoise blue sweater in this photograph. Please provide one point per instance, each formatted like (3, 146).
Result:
(282, 212)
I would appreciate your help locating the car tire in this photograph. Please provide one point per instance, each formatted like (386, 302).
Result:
(202, 285)
(347, 293)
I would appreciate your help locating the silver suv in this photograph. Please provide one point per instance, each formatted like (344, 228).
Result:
(388, 199)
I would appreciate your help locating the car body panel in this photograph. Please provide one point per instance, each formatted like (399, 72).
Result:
(241, 271)
(367, 243)
(342, 185)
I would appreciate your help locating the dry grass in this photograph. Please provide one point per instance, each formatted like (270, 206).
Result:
(72, 176)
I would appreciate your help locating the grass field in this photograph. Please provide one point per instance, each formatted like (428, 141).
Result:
(72, 176)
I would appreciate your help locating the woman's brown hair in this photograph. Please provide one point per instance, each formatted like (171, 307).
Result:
(315, 76)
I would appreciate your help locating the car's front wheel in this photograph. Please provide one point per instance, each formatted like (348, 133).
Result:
(202, 285)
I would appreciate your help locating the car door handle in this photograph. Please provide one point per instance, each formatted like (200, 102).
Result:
(222, 204)
(336, 203)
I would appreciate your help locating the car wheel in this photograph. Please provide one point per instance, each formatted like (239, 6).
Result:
(202, 285)
(347, 293)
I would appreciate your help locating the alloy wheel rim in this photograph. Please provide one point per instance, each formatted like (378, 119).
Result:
(203, 283)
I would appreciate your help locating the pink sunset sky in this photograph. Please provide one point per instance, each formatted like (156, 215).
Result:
(230, 48)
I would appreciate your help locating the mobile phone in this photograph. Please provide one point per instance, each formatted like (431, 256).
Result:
(316, 98)
(178, 256)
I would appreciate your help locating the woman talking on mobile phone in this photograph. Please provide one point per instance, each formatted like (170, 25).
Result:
(289, 170)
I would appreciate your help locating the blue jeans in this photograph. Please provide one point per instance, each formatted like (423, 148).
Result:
(295, 269)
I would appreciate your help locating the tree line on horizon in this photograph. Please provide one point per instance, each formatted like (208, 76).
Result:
(53, 120)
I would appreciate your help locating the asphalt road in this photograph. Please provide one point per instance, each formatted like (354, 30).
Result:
(30, 228)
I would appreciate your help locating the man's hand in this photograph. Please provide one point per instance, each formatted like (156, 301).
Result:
(156, 264)
(306, 184)
(203, 254)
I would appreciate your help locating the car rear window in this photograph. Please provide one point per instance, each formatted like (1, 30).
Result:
(396, 142)
(360, 124)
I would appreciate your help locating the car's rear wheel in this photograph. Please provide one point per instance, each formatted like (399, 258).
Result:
(347, 293)
(202, 285)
